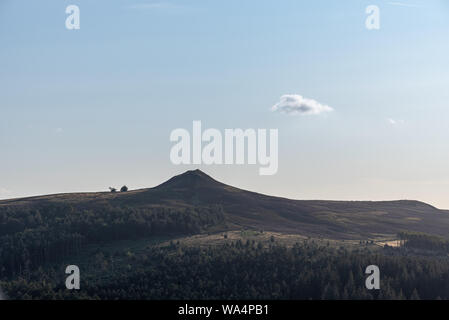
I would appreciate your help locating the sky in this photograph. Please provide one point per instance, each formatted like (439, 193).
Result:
(83, 110)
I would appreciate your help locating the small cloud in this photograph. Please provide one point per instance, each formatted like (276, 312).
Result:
(404, 4)
(59, 130)
(4, 192)
(154, 5)
(295, 104)
(394, 122)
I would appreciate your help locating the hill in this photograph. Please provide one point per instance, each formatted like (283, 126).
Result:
(195, 191)
(151, 244)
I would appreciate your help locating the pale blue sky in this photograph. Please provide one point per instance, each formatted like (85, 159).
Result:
(82, 110)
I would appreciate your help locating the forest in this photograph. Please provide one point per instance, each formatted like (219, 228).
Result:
(29, 239)
(422, 241)
(242, 270)
(139, 253)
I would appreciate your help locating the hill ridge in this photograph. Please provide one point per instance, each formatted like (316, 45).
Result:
(194, 189)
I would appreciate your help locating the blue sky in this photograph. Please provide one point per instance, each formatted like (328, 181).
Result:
(82, 110)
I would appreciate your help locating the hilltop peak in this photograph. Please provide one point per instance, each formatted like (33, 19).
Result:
(190, 179)
(195, 172)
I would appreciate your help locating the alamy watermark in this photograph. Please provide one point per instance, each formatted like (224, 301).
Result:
(372, 22)
(2, 295)
(208, 147)
(73, 280)
(373, 280)
(72, 22)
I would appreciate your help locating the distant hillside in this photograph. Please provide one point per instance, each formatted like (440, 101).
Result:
(197, 194)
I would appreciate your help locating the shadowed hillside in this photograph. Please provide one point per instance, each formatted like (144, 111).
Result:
(195, 190)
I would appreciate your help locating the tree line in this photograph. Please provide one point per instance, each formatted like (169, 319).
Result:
(239, 270)
(32, 237)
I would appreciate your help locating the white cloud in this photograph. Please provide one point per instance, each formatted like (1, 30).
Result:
(394, 122)
(154, 5)
(58, 130)
(4, 192)
(404, 4)
(294, 104)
